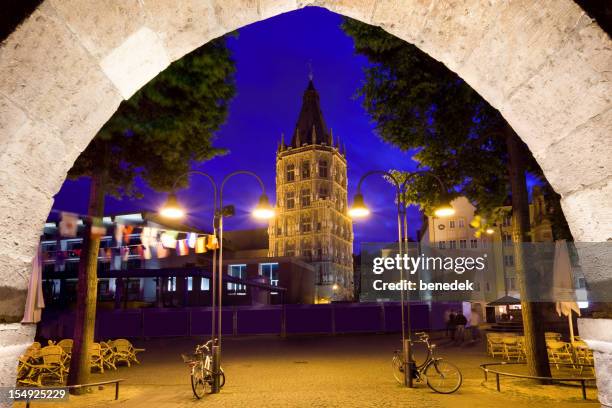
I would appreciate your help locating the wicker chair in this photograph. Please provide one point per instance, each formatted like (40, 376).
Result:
(124, 351)
(95, 357)
(66, 345)
(28, 372)
(53, 362)
(108, 355)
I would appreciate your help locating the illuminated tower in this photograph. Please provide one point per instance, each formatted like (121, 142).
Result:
(311, 194)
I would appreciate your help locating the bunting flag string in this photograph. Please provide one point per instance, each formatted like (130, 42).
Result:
(154, 242)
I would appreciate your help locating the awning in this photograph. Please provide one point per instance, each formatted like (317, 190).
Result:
(505, 300)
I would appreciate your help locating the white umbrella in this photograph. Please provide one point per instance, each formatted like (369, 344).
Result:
(563, 285)
(35, 301)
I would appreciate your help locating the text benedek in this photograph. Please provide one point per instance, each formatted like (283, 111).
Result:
(432, 286)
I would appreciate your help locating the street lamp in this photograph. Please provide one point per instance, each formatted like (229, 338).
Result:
(173, 210)
(360, 210)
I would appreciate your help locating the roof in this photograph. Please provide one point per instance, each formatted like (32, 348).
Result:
(311, 119)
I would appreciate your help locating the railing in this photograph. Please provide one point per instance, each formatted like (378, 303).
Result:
(96, 384)
(581, 380)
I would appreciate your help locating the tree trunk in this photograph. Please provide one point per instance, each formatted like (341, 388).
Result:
(535, 342)
(87, 287)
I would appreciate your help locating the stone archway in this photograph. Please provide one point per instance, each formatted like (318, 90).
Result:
(545, 65)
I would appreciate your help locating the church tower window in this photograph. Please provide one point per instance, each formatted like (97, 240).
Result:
(290, 172)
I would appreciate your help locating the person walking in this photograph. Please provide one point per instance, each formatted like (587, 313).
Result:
(474, 323)
(450, 324)
(460, 322)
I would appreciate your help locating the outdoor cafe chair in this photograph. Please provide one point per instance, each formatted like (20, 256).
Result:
(95, 357)
(584, 355)
(53, 362)
(559, 352)
(495, 344)
(28, 371)
(512, 348)
(108, 355)
(66, 345)
(552, 336)
(124, 351)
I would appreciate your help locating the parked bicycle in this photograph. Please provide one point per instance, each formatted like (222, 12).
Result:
(441, 376)
(201, 364)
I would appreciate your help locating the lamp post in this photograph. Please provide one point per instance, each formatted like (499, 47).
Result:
(360, 210)
(263, 210)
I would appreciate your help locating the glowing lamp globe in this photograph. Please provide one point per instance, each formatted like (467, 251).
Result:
(172, 209)
(444, 210)
(263, 211)
(359, 209)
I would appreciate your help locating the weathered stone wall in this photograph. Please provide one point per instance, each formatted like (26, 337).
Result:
(545, 65)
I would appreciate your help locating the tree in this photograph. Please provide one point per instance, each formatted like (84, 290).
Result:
(417, 103)
(154, 136)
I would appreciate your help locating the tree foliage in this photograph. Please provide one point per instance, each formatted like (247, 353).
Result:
(166, 125)
(418, 103)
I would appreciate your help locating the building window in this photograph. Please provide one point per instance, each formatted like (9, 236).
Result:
(236, 271)
(323, 170)
(462, 243)
(172, 284)
(189, 283)
(507, 239)
(452, 244)
(511, 283)
(318, 226)
(290, 200)
(270, 271)
(507, 221)
(323, 193)
(305, 197)
(508, 260)
(461, 223)
(306, 225)
(290, 172)
(442, 244)
(473, 243)
(451, 224)
(305, 169)
(204, 284)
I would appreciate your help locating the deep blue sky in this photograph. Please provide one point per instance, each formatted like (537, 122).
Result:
(272, 60)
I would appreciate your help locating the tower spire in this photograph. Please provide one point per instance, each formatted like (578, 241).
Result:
(310, 117)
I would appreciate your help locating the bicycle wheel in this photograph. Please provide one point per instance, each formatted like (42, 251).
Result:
(443, 377)
(221, 377)
(199, 385)
(398, 367)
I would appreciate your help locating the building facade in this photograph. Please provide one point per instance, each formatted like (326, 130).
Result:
(311, 220)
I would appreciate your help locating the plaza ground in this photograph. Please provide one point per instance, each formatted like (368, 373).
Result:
(340, 371)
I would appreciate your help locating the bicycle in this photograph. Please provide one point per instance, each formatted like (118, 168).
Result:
(441, 376)
(201, 363)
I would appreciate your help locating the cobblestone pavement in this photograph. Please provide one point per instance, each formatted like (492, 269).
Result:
(341, 371)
